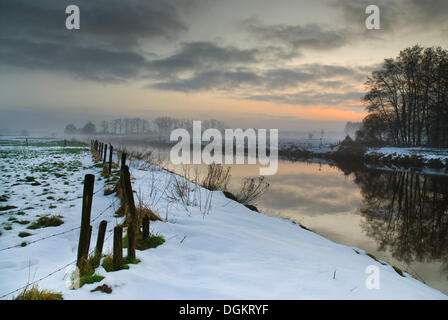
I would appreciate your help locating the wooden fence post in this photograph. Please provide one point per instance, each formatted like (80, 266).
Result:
(123, 160)
(145, 225)
(132, 222)
(111, 150)
(84, 235)
(118, 248)
(105, 154)
(86, 254)
(100, 240)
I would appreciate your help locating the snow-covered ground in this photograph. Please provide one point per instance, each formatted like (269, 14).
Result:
(215, 248)
(424, 153)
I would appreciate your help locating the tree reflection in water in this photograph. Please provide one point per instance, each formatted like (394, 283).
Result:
(406, 213)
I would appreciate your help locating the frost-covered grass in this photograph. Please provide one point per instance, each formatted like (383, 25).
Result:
(214, 248)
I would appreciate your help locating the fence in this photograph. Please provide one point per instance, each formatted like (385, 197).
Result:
(99, 150)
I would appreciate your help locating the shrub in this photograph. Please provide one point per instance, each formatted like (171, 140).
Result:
(217, 177)
(435, 163)
(34, 293)
(251, 190)
(349, 149)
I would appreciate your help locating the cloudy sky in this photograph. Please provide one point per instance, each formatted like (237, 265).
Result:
(288, 64)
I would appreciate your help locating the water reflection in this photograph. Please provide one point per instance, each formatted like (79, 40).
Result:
(406, 213)
(400, 217)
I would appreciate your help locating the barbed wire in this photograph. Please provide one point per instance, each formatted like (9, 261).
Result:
(62, 232)
(65, 200)
(110, 231)
(53, 272)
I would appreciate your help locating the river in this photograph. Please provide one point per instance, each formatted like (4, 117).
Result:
(399, 217)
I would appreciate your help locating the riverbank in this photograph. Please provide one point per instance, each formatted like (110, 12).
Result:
(429, 160)
(215, 248)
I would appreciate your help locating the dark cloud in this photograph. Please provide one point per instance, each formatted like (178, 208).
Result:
(354, 14)
(395, 16)
(221, 78)
(202, 56)
(106, 48)
(211, 80)
(433, 12)
(298, 37)
(110, 47)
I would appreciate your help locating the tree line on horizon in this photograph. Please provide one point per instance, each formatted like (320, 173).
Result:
(161, 126)
(407, 100)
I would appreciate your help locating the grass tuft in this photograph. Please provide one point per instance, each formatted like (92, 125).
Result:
(108, 191)
(153, 241)
(108, 264)
(90, 278)
(398, 270)
(4, 208)
(24, 234)
(34, 293)
(46, 221)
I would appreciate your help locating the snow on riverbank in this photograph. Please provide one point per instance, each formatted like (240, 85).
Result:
(224, 251)
(424, 153)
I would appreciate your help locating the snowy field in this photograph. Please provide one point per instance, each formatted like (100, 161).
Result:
(215, 248)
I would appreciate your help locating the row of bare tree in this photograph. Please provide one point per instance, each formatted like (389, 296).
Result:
(126, 126)
(407, 100)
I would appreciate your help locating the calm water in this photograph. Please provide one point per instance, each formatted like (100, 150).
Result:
(399, 217)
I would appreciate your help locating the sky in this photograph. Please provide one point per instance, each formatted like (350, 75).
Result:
(292, 65)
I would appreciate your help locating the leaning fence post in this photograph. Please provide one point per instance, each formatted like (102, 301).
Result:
(118, 248)
(84, 235)
(105, 154)
(100, 240)
(111, 150)
(129, 196)
(145, 225)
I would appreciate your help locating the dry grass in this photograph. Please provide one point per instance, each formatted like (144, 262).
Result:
(34, 293)
(143, 211)
(251, 190)
(217, 177)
